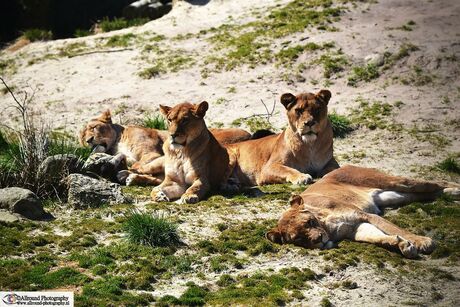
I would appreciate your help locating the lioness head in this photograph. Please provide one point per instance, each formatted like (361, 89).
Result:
(299, 227)
(99, 133)
(307, 113)
(185, 122)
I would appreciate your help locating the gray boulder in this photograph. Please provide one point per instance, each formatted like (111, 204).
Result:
(105, 165)
(55, 168)
(152, 9)
(86, 192)
(24, 202)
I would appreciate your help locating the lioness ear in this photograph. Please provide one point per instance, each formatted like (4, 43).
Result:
(200, 109)
(288, 100)
(325, 95)
(274, 235)
(296, 200)
(105, 117)
(165, 110)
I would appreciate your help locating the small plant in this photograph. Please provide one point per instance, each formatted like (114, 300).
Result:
(151, 72)
(332, 64)
(38, 35)
(152, 230)
(363, 73)
(450, 165)
(119, 40)
(341, 125)
(372, 115)
(155, 121)
(82, 33)
(108, 25)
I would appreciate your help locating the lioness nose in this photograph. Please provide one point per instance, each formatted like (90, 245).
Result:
(310, 123)
(173, 135)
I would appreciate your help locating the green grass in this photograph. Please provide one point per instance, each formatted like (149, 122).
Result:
(332, 63)
(450, 165)
(167, 61)
(372, 115)
(253, 123)
(120, 40)
(248, 237)
(250, 43)
(155, 121)
(108, 25)
(341, 125)
(38, 35)
(363, 73)
(289, 55)
(257, 289)
(404, 51)
(151, 230)
(82, 33)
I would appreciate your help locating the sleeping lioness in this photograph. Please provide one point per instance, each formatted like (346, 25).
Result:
(141, 146)
(195, 162)
(345, 205)
(303, 149)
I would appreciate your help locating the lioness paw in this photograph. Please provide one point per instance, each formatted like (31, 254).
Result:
(300, 179)
(425, 245)
(159, 196)
(189, 199)
(408, 249)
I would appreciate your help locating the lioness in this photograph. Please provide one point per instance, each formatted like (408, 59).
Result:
(345, 204)
(303, 149)
(194, 159)
(141, 146)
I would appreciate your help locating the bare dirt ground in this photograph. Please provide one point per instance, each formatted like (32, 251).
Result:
(407, 118)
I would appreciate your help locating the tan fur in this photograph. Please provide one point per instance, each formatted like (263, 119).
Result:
(300, 151)
(142, 147)
(195, 162)
(345, 205)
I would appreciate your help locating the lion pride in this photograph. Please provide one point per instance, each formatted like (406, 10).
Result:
(141, 146)
(302, 150)
(346, 203)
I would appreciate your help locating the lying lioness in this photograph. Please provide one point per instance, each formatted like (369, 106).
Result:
(141, 146)
(303, 149)
(345, 205)
(194, 159)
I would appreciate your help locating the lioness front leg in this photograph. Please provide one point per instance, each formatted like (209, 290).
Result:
(195, 192)
(167, 191)
(424, 245)
(369, 233)
(278, 173)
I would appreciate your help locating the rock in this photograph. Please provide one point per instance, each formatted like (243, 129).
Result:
(57, 167)
(152, 9)
(24, 202)
(376, 59)
(7, 217)
(105, 165)
(86, 192)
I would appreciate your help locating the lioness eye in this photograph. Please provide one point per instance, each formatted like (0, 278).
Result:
(298, 112)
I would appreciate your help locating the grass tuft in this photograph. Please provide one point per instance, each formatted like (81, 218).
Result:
(341, 125)
(155, 121)
(108, 25)
(363, 73)
(450, 165)
(151, 230)
(38, 35)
